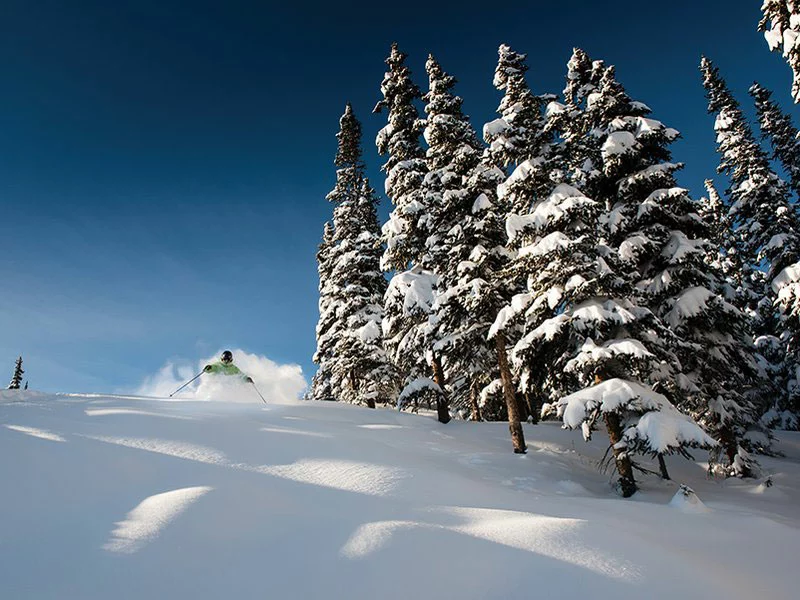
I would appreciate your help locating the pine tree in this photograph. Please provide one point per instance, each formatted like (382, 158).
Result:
(518, 135)
(766, 230)
(409, 298)
(453, 153)
(520, 138)
(781, 26)
(350, 347)
(638, 250)
(622, 155)
(405, 167)
(328, 325)
(587, 345)
(407, 308)
(723, 255)
(777, 127)
(466, 309)
(572, 124)
(362, 363)
(654, 227)
(16, 379)
(530, 184)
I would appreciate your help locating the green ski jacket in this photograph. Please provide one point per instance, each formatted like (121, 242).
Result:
(219, 368)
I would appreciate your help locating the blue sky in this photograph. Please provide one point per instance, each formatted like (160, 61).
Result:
(163, 165)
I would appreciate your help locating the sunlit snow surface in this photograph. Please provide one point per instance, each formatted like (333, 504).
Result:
(125, 497)
(145, 522)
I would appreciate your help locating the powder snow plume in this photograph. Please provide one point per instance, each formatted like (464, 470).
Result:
(278, 383)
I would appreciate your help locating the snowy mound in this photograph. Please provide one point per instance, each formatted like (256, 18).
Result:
(123, 497)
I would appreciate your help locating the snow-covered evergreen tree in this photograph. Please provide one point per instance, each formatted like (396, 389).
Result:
(467, 306)
(357, 366)
(660, 239)
(781, 26)
(408, 304)
(571, 122)
(328, 325)
(722, 251)
(766, 230)
(405, 167)
(518, 134)
(362, 369)
(409, 298)
(16, 379)
(588, 346)
(523, 138)
(783, 136)
(453, 154)
(647, 234)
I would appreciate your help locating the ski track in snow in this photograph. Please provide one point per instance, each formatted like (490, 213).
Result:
(37, 433)
(144, 523)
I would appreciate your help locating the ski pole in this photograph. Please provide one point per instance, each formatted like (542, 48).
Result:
(185, 384)
(259, 393)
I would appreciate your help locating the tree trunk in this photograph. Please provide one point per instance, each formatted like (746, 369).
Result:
(355, 385)
(514, 426)
(627, 484)
(728, 442)
(534, 407)
(441, 400)
(663, 466)
(473, 400)
(522, 406)
(731, 448)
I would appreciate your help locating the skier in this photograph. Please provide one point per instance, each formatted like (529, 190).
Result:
(225, 366)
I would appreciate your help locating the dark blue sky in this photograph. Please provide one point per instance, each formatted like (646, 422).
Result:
(163, 165)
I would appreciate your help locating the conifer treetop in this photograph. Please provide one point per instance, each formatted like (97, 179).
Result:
(349, 136)
(583, 75)
(519, 132)
(780, 24)
(405, 166)
(400, 138)
(759, 209)
(447, 131)
(777, 127)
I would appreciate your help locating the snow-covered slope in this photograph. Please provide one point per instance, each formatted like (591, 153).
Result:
(123, 497)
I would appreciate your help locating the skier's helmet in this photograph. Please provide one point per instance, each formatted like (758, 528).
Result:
(227, 356)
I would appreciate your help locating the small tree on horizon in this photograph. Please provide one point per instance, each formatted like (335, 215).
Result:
(16, 379)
